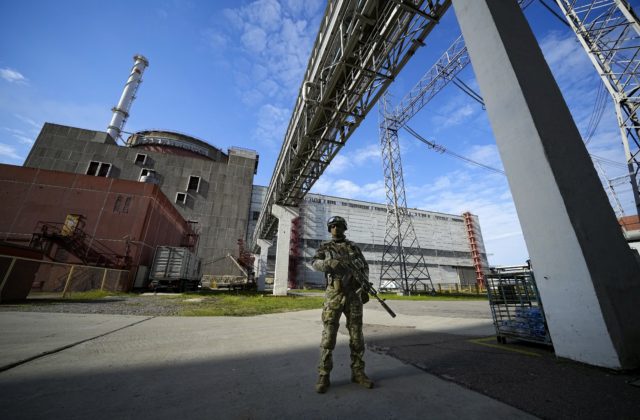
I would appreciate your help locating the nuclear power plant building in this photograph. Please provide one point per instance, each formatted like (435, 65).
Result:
(452, 245)
(211, 189)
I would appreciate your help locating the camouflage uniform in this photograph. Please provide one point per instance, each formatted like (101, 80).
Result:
(343, 295)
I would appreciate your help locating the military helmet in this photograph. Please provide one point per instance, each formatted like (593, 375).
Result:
(336, 220)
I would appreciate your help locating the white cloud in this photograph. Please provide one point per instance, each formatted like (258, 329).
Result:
(271, 125)
(460, 115)
(306, 8)
(12, 76)
(457, 110)
(339, 164)
(20, 135)
(485, 154)
(273, 36)
(215, 39)
(28, 121)
(441, 183)
(373, 191)
(9, 152)
(344, 161)
(566, 57)
(366, 154)
(254, 39)
(268, 43)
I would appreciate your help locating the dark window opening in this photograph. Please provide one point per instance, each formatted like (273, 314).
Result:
(93, 168)
(127, 202)
(147, 172)
(194, 183)
(256, 215)
(104, 170)
(181, 198)
(98, 168)
(118, 204)
(141, 159)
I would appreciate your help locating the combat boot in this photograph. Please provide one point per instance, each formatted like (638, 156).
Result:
(359, 377)
(323, 384)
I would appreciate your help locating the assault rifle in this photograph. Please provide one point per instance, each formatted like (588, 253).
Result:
(357, 269)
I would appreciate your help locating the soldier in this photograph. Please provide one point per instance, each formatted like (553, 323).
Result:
(338, 259)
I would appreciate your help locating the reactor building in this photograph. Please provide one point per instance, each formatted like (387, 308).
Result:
(210, 189)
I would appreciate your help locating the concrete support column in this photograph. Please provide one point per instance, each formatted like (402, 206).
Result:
(285, 215)
(260, 263)
(589, 280)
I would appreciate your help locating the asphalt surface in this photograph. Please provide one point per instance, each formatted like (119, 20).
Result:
(436, 359)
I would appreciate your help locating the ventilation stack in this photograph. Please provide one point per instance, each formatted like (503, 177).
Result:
(121, 111)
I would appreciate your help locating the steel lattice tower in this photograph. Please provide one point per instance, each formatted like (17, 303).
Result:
(403, 265)
(609, 32)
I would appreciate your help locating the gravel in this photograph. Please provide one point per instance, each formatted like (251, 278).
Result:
(147, 305)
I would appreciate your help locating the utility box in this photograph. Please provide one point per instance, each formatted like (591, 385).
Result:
(142, 275)
(175, 269)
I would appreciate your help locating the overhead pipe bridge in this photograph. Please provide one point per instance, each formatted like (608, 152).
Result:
(360, 48)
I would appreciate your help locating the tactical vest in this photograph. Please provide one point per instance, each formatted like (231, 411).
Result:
(341, 250)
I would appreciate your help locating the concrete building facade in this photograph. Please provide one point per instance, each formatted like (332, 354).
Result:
(211, 189)
(443, 238)
(119, 222)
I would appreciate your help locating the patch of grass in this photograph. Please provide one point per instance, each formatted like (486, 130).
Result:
(247, 304)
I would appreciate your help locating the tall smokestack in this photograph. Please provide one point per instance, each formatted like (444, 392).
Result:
(121, 111)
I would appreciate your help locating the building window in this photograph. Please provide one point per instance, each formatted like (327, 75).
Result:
(194, 183)
(141, 159)
(122, 204)
(256, 215)
(181, 198)
(93, 168)
(96, 168)
(147, 172)
(127, 203)
(117, 206)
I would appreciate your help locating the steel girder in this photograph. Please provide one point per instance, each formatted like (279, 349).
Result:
(609, 31)
(361, 47)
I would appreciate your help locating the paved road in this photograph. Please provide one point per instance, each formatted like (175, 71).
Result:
(236, 368)
(436, 359)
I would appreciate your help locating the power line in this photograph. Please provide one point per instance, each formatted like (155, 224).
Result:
(442, 149)
(553, 12)
(596, 115)
(608, 161)
(466, 89)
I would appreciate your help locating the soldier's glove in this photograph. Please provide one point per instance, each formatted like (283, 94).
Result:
(334, 266)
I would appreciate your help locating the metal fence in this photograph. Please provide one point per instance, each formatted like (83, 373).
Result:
(22, 276)
(453, 288)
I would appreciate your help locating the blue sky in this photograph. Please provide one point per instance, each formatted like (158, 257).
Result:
(228, 72)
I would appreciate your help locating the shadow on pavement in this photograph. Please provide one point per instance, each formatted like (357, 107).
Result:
(524, 375)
